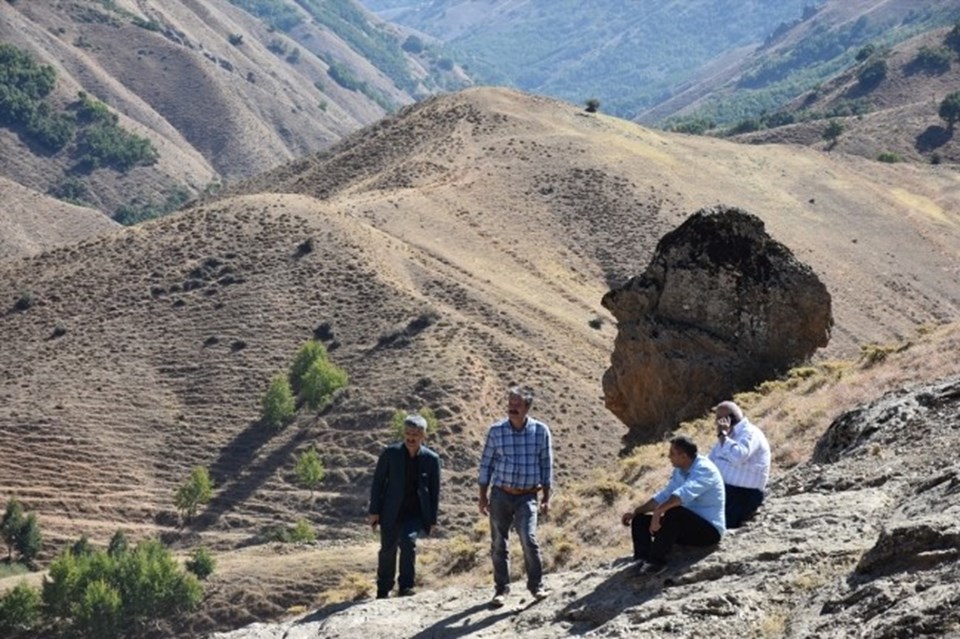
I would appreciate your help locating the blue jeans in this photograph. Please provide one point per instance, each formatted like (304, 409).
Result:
(521, 512)
(401, 534)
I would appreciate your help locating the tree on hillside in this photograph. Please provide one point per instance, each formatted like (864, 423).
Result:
(950, 109)
(196, 490)
(833, 131)
(11, 524)
(277, 405)
(20, 532)
(310, 470)
(593, 105)
(872, 74)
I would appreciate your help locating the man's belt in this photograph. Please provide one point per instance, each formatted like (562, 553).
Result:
(516, 492)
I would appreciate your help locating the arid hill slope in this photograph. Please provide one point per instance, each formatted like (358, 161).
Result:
(217, 92)
(31, 222)
(459, 247)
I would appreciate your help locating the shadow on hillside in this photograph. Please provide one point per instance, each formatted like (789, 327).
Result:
(625, 589)
(238, 475)
(933, 138)
(444, 628)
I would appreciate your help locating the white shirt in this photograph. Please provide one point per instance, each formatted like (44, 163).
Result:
(743, 457)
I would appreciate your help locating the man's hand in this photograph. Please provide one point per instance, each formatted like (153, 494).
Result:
(627, 518)
(544, 508)
(484, 505)
(374, 520)
(723, 427)
(655, 522)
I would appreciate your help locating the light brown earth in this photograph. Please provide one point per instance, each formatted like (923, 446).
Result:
(457, 248)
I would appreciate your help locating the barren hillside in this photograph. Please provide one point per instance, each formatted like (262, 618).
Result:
(441, 254)
(219, 93)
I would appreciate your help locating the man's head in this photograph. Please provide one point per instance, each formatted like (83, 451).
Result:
(518, 404)
(683, 451)
(414, 432)
(728, 409)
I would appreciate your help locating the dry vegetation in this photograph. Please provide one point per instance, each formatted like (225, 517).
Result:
(440, 256)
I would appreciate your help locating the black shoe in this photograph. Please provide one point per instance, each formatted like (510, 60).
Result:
(407, 592)
(383, 595)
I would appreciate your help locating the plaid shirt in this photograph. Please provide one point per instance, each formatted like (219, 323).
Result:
(517, 458)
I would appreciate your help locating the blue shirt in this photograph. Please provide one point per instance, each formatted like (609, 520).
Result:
(699, 489)
(517, 458)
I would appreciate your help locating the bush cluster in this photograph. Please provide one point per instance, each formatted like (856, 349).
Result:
(20, 532)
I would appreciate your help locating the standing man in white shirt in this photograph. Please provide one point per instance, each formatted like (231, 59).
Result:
(742, 454)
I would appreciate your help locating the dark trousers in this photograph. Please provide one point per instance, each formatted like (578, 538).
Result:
(401, 535)
(741, 504)
(678, 525)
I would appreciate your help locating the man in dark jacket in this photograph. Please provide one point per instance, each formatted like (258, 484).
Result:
(404, 500)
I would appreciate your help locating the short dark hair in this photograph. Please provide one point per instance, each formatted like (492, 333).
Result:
(685, 445)
(523, 393)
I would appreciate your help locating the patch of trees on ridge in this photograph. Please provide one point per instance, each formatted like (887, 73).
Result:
(86, 129)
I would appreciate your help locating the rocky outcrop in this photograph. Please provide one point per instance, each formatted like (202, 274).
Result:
(863, 546)
(721, 307)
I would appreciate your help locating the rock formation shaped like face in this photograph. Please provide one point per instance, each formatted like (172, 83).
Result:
(721, 307)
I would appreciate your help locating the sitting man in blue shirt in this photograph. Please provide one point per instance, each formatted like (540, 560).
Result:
(689, 509)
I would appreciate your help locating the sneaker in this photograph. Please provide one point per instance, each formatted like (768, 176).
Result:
(407, 592)
(540, 593)
(498, 600)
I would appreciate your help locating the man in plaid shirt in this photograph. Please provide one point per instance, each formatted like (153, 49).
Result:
(516, 465)
(742, 454)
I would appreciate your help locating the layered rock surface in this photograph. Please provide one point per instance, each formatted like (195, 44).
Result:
(861, 541)
(721, 307)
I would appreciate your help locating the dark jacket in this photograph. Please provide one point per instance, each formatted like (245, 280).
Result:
(387, 492)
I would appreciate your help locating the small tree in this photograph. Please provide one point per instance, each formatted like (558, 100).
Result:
(277, 405)
(303, 532)
(310, 470)
(118, 544)
(98, 613)
(872, 74)
(19, 609)
(312, 351)
(197, 490)
(950, 109)
(201, 563)
(833, 131)
(81, 547)
(320, 381)
(593, 105)
(29, 540)
(11, 524)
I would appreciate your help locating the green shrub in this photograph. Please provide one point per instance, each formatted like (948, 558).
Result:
(413, 45)
(71, 189)
(865, 52)
(302, 532)
(236, 39)
(98, 613)
(20, 532)
(950, 109)
(872, 74)
(277, 406)
(19, 609)
(312, 351)
(201, 563)
(320, 381)
(592, 105)
(833, 131)
(101, 596)
(118, 544)
(195, 491)
(934, 59)
(310, 471)
(890, 157)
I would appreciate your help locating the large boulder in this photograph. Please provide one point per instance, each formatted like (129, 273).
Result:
(721, 307)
